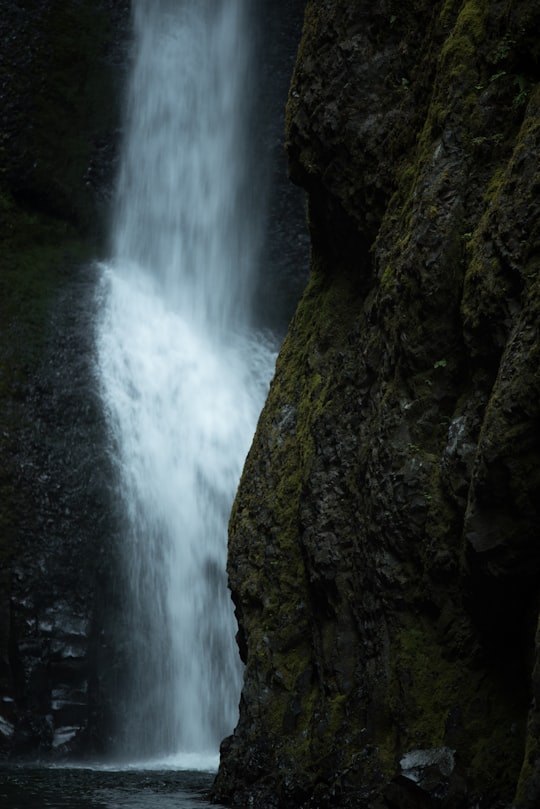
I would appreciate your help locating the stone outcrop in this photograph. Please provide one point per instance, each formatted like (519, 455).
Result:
(383, 547)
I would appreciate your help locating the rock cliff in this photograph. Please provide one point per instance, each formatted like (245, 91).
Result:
(383, 546)
(61, 67)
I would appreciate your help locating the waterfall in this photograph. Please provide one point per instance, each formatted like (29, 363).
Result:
(183, 371)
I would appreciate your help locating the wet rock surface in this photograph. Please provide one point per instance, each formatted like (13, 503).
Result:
(382, 549)
(63, 66)
(62, 560)
(61, 78)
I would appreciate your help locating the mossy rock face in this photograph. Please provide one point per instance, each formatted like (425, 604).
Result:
(383, 550)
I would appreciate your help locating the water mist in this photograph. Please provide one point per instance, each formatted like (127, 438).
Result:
(183, 372)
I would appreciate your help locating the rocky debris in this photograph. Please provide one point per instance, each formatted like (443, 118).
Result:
(428, 777)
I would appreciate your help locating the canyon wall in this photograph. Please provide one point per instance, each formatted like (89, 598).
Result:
(62, 74)
(383, 546)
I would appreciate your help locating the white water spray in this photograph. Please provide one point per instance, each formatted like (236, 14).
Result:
(182, 373)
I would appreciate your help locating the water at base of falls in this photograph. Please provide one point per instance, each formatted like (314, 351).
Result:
(183, 374)
(33, 787)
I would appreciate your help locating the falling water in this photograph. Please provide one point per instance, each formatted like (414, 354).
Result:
(183, 373)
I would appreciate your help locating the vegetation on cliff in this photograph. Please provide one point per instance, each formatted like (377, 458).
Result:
(383, 545)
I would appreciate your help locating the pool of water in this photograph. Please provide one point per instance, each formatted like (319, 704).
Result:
(36, 787)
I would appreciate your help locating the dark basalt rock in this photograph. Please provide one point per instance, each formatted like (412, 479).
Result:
(61, 66)
(382, 548)
(64, 524)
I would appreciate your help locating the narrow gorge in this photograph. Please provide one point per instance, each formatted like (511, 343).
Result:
(383, 543)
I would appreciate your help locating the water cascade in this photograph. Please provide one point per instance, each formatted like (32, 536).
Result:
(183, 371)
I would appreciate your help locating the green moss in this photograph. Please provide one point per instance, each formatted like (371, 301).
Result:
(467, 34)
(487, 284)
(454, 94)
(437, 699)
(387, 279)
(457, 77)
(429, 685)
(280, 635)
(437, 690)
(410, 297)
(448, 13)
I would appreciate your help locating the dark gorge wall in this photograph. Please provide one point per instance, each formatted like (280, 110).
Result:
(383, 551)
(64, 644)
(61, 67)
